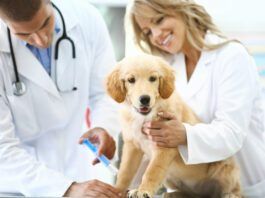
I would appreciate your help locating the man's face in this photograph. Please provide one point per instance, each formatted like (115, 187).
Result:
(39, 30)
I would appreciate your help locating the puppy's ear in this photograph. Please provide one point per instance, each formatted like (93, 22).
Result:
(115, 86)
(166, 81)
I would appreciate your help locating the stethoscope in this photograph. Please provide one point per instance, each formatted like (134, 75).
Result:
(19, 87)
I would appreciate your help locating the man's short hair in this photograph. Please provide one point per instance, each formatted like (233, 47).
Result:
(20, 10)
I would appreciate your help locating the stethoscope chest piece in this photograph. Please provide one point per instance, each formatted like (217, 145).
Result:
(19, 88)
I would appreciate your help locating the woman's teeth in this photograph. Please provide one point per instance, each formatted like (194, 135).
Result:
(168, 38)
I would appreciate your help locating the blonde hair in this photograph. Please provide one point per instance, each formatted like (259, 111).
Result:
(196, 18)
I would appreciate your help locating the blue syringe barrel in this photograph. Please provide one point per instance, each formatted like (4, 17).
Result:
(102, 158)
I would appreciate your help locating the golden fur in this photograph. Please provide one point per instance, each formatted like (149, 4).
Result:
(149, 75)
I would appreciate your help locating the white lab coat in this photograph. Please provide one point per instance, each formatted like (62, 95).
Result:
(39, 131)
(224, 92)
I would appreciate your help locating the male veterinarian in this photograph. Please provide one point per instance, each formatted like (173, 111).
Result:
(43, 98)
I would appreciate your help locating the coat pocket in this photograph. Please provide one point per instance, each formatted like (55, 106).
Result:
(26, 125)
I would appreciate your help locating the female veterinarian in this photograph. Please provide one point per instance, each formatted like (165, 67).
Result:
(216, 77)
(43, 98)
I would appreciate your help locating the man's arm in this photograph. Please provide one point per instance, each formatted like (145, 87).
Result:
(21, 172)
(103, 108)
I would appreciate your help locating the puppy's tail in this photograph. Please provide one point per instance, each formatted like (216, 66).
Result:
(205, 189)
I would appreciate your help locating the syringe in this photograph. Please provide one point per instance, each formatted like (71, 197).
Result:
(102, 158)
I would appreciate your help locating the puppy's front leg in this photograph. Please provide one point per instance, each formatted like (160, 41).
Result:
(130, 161)
(157, 169)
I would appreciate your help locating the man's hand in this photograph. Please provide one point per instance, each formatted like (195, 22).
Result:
(100, 137)
(168, 132)
(92, 189)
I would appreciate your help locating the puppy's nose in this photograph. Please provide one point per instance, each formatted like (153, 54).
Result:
(144, 99)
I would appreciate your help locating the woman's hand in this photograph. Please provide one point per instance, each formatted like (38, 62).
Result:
(106, 144)
(167, 132)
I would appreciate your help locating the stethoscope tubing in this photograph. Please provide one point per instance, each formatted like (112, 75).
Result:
(63, 37)
(19, 88)
(13, 56)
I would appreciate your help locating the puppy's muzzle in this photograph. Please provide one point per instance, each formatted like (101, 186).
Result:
(144, 108)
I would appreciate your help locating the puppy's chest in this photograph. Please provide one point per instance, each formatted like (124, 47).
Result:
(135, 131)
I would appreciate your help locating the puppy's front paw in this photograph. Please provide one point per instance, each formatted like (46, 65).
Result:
(138, 194)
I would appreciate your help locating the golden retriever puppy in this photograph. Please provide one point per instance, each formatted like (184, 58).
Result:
(145, 85)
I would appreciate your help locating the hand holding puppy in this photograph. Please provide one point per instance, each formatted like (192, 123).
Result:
(168, 132)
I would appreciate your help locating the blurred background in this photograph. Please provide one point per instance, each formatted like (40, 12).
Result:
(243, 20)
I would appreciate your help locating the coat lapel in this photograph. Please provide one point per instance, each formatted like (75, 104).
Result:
(201, 73)
(64, 67)
(181, 77)
(188, 89)
(27, 64)
(31, 68)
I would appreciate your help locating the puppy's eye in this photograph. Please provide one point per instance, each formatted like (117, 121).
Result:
(131, 80)
(152, 79)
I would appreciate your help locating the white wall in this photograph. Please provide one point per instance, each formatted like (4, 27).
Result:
(237, 15)
(231, 15)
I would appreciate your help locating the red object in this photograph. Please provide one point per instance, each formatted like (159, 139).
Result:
(88, 123)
